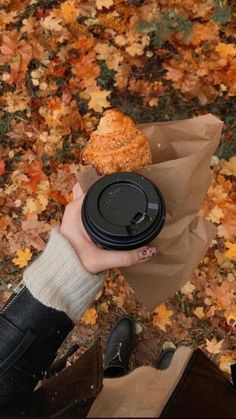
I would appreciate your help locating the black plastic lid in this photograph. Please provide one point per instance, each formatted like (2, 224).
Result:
(123, 211)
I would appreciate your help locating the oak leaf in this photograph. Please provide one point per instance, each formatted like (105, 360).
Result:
(162, 317)
(214, 347)
(23, 257)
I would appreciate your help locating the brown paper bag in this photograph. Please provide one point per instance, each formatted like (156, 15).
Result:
(181, 154)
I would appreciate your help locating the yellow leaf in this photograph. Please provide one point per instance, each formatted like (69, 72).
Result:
(214, 347)
(68, 11)
(225, 50)
(227, 360)
(228, 167)
(162, 317)
(98, 98)
(188, 288)
(31, 206)
(199, 312)
(215, 215)
(104, 307)
(90, 316)
(104, 3)
(51, 23)
(23, 257)
(231, 252)
(230, 316)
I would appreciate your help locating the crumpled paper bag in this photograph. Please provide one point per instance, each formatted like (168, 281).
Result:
(181, 155)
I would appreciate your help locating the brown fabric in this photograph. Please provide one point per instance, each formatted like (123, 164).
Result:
(142, 393)
(203, 391)
(181, 155)
(74, 389)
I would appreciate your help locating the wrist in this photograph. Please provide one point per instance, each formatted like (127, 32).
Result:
(58, 279)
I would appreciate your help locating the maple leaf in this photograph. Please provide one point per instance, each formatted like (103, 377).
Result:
(23, 257)
(90, 316)
(2, 167)
(226, 360)
(51, 23)
(104, 3)
(214, 347)
(98, 98)
(215, 215)
(230, 316)
(162, 317)
(225, 50)
(228, 167)
(68, 11)
(231, 252)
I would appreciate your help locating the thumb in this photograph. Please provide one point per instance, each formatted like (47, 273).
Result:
(77, 191)
(107, 259)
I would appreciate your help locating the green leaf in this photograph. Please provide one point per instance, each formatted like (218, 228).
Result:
(222, 12)
(169, 23)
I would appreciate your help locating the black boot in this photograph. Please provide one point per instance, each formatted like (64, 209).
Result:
(119, 347)
(165, 359)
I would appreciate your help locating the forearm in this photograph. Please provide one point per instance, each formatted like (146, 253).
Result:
(37, 320)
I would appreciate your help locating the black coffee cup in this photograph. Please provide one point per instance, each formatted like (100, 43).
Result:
(123, 211)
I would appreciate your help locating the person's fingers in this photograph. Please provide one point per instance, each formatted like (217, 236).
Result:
(77, 191)
(100, 259)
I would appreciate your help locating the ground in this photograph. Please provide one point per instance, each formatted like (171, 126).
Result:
(61, 64)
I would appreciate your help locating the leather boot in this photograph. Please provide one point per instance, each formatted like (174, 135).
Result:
(119, 347)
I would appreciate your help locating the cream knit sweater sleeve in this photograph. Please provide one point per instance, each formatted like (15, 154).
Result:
(58, 280)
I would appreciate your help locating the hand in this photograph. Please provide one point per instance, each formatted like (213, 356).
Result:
(93, 258)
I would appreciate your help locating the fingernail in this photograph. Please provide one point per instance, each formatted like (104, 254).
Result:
(147, 253)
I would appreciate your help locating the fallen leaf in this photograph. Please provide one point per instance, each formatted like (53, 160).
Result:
(69, 11)
(225, 50)
(23, 257)
(188, 288)
(226, 360)
(228, 167)
(162, 317)
(199, 312)
(231, 252)
(51, 23)
(2, 167)
(104, 3)
(98, 98)
(215, 215)
(214, 347)
(90, 316)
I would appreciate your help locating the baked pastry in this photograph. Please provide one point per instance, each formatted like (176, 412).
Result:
(117, 145)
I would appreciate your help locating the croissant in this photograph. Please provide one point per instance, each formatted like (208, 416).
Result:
(117, 145)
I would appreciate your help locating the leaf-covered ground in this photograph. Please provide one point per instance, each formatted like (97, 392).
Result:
(61, 64)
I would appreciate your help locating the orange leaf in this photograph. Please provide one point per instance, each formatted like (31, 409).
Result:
(231, 252)
(90, 316)
(226, 360)
(162, 317)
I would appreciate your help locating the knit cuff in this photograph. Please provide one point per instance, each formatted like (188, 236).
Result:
(58, 280)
